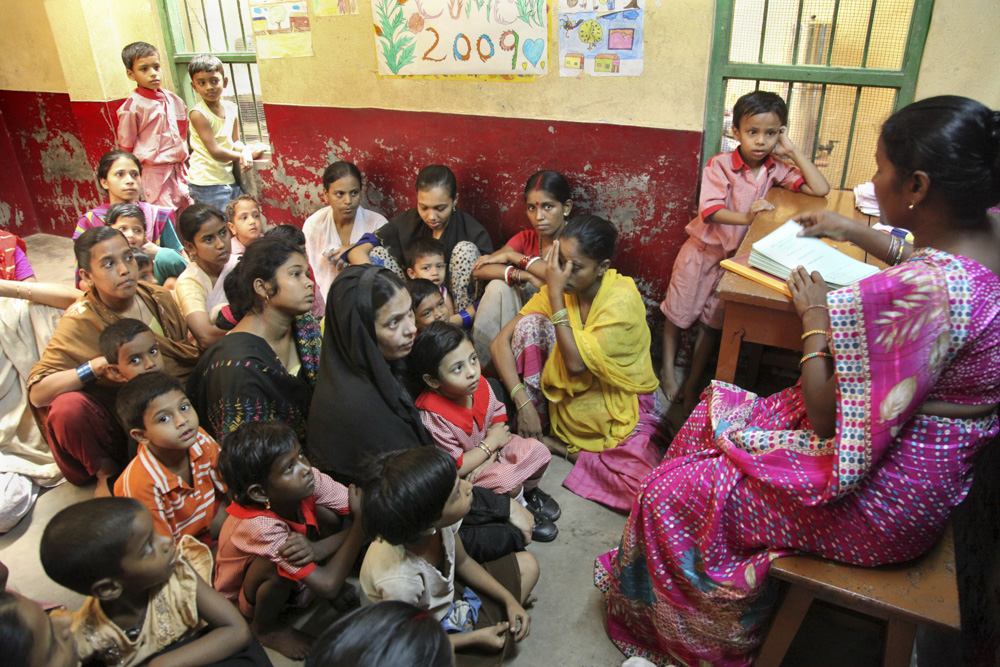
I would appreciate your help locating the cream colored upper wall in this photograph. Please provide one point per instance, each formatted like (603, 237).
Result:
(962, 54)
(669, 94)
(30, 60)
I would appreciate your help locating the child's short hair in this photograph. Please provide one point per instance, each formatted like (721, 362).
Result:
(421, 247)
(136, 50)
(420, 289)
(389, 632)
(205, 63)
(86, 542)
(433, 343)
(124, 210)
(231, 206)
(141, 258)
(248, 453)
(193, 217)
(405, 492)
(289, 233)
(757, 102)
(338, 170)
(136, 395)
(117, 334)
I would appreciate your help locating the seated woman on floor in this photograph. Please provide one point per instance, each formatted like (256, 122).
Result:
(517, 271)
(861, 461)
(361, 406)
(68, 386)
(576, 363)
(436, 216)
(265, 368)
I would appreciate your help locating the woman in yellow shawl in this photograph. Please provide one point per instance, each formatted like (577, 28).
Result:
(576, 360)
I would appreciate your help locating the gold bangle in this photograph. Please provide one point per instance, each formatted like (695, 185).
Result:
(813, 355)
(526, 401)
(815, 305)
(517, 387)
(18, 286)
(813, 332)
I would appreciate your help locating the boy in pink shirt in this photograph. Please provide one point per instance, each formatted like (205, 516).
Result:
(152, 125)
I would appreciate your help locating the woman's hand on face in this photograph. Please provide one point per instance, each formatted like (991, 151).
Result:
(807, 290)
(529, 425)
(824, 223)
(556, 276)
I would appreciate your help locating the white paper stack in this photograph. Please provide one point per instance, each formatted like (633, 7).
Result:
(782, 250)
(864, 199)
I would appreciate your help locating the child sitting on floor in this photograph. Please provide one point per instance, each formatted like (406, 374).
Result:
(174, 472)
(425, 259)
(199, 290)
(244, 219)
(414, 501)
(130, 220)
(147, 601)
(152, 125)
(464, 417)
(733, 187)
(282, 541)
(428, 304)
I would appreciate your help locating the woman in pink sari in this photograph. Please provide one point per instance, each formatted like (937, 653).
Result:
(865, 457)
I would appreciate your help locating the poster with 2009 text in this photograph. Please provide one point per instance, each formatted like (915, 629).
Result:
(461, 37)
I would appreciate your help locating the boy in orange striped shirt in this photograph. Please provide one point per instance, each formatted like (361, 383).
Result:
(174, 473)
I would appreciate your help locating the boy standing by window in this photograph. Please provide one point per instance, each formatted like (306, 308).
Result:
(152, 125)
(215, 144)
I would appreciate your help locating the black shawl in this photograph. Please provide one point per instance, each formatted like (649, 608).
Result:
(407, 226)
(359, 407)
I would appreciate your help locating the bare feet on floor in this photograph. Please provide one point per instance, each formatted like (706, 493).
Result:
(668, 383)
(289, 642)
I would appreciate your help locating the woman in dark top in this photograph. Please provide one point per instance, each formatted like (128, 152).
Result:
(265, 368)
(436, 216)
(360, 407)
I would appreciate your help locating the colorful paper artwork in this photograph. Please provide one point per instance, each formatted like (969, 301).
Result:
(334, 7)
(601, 37)
(281, 29)
(461, 37)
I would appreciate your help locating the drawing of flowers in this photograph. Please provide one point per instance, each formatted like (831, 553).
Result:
(397, 46)
(531, 11)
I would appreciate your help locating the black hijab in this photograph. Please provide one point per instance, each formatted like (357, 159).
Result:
(408, 226)
(359, 407)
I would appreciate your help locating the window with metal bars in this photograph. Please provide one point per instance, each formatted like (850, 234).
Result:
(842, 66)
(221, 28)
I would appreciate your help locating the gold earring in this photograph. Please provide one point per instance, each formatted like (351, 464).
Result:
(910, 207)
(267, 504)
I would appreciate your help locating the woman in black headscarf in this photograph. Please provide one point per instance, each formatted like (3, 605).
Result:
(361, 407)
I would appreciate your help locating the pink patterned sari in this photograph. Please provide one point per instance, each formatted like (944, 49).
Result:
(746, 480)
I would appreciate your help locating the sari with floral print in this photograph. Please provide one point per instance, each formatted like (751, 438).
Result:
(746, 480)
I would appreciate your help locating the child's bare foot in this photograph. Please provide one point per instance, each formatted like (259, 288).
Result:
(289, 642)
(668, 383)
(346, 599)
(532, 599)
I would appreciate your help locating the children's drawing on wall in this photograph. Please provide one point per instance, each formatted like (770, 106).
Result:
(601, 37)
(461, 37)
(334, 7)
(281, 29)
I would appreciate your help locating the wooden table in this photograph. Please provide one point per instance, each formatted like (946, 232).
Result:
(759, 314)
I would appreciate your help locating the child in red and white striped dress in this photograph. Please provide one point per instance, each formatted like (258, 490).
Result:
(465, 418)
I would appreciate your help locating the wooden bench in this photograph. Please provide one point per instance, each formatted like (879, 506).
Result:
(920, 592)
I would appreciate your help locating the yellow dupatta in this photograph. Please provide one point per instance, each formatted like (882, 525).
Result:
(598, 409)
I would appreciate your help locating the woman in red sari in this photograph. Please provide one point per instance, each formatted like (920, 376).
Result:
(862, 460)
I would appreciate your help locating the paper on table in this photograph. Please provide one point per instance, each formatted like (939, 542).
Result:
(782, 250)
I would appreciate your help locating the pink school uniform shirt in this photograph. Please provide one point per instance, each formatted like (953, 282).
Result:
(153, 127)
(729, 183)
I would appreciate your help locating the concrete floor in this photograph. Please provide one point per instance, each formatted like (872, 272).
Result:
(567, 625)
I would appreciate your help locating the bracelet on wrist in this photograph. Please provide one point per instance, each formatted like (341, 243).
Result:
(466, 318)
(813, 332)
(517, 387)
(526, 401)
(85, 372)
(813, 355)
(506, 274)
(486, 448)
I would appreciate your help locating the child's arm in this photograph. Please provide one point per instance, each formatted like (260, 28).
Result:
(456, 318)
(478, 579)
(247, 152)
(327, 580)
(724, 216)
(204, 130)
(815, 184)
(227, 633)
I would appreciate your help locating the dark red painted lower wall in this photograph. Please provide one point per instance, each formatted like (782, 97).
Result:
(642, 179)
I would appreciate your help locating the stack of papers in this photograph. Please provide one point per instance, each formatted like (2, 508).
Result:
(864, 199)
(781, 251)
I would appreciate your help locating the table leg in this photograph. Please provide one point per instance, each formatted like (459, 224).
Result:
(729, 348)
